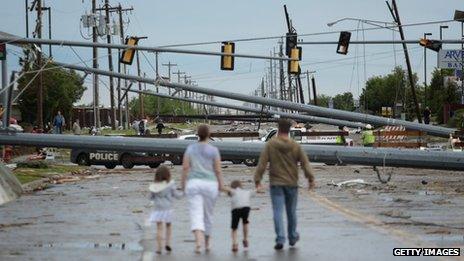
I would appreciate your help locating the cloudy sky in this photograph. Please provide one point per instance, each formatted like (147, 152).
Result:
(186, 21)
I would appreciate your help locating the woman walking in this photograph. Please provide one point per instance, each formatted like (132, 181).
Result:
(202, 181)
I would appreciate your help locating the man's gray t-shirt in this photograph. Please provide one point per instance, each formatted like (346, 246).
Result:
(202, 157)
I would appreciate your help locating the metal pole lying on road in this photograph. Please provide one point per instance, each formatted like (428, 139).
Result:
(313, 110)
(241, 150)
(306, 118)
(18, 40)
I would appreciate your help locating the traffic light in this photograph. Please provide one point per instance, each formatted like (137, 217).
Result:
(290, 43)
(431, 44)
(294, 66)
(227, 61)
(127, 55)
(2, 51)
(343, 43)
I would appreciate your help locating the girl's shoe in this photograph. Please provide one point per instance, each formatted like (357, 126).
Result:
(168, 248)
(234, 248)
(197, 249)
(245, 243)
(158, 252)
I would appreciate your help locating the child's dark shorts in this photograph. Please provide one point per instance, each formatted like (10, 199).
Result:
(240, 213)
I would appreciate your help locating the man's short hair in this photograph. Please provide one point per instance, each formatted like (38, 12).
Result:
(284, 125)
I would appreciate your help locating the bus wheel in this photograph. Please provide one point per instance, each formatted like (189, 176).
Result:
(126, 162)
(83, 160)
(177, 160)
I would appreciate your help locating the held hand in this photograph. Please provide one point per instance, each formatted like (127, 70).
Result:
(311, 185)
(259, 188)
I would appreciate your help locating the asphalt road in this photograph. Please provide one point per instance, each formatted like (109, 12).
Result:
(105, 219)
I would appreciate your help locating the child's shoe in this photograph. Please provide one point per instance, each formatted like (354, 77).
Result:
(245, 244)
(234, 248)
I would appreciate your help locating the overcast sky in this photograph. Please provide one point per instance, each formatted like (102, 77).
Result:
(186, 21)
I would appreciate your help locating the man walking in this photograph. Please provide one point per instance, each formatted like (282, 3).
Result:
(58, 123)
(283, 155)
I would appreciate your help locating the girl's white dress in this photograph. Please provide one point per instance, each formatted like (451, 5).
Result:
(162, 195)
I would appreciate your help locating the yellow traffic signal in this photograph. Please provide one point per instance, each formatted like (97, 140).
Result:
(431, 44)
(227, 61)
(294, 66)
(127, 55)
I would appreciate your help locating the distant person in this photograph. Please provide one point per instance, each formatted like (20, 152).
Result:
(163, 191)
(76, 128)
(368, 137)
(340, 139)
(93, 131)
(202, 181)
(283, 154)
(240, 203)
(58, 123)
(427, 113)
(160, 126)
(141, 127)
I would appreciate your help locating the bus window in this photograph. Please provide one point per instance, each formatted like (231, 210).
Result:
(271, 134)
(296, 135)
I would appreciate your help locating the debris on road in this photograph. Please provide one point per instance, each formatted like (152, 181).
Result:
(395, 214)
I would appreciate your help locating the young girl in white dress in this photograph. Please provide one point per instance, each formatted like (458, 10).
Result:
(163, 191)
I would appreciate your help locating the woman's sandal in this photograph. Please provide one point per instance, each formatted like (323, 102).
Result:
(234, 247)
(197, 249)
(158, 252)
(245, 243)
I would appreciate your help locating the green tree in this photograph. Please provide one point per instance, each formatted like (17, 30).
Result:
(61, 89)
(323, 100)
(167, 106)
(439, 94)
(386, 91)
(344, 101)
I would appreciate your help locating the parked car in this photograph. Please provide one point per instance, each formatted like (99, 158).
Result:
(296, 134)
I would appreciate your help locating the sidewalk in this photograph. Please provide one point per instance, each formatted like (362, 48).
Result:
(104, 219)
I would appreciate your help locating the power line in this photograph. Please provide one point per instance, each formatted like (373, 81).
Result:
(307, 34)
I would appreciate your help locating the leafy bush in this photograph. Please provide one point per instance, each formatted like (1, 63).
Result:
(38, 164)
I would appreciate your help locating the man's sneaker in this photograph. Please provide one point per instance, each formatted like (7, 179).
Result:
(293, 242)
(279, 246)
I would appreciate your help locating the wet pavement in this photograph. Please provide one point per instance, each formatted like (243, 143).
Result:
(105, 219)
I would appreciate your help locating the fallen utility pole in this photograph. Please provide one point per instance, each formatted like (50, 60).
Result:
(110, 65)
(96, 92)
(268, 113)
(240, 150)
(313, 110)
(19, 40)
(39, 56)
(396, 17)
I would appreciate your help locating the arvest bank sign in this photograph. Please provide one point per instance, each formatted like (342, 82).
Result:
(451, 59)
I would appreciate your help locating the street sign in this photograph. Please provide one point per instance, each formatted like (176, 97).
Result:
(450, 59)
(2, 51)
